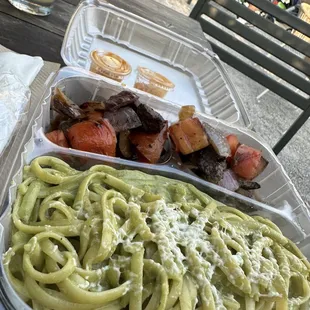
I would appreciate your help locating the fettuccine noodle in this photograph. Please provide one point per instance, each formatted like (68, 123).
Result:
(116, 239)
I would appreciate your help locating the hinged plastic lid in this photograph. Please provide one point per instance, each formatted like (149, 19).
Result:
(197, 73)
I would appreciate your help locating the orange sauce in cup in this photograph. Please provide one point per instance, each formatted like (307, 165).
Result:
(110, 65)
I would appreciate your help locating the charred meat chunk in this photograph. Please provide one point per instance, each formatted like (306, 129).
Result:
(151, 120)
(63, 105)
(136, 104)
(120, 100)
(123, 119)
(249, 185)
(211, 165)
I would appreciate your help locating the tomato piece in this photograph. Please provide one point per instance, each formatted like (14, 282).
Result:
(57, 137)
(233, 142)
(248, 162)
(149, 145)
(188, 135)
(96, 137)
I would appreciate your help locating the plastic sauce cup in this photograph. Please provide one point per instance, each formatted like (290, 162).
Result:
(153, 82)
(110, 65)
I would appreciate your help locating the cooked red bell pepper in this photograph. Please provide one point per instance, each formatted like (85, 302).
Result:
(149, 145)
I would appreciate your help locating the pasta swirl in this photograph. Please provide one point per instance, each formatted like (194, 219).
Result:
(116, 239)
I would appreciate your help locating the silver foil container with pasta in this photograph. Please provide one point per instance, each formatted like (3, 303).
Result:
(286, 211)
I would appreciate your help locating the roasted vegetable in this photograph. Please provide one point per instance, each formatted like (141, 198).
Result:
(55, 123)
(211, 165)
(63, 105)
(57, 137)
(93, 106)
(65, 125)
(96, 137)
(248, 162)
(188, 136)
(149, 145)
(123, 119)
(229, 180)
(151, 120)
(233, 143)
(218, 141)
(120, 100)
(95, 116)
(187, 111)
(124, 144)
(143, 135)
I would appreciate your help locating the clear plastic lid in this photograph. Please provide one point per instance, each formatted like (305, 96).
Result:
(199, 77)
(14, 105)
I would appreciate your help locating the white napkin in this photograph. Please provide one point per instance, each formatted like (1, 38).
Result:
(23, 66)
(17, 72)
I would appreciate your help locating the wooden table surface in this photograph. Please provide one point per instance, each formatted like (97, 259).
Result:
(43, 36)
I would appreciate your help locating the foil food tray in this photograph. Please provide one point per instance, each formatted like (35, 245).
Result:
(287, 209)
(287, 220)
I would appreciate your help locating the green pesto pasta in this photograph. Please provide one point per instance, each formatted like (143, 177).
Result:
(116, 239)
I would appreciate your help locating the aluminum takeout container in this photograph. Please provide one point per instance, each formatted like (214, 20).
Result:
(292, 223)
(288, 210)
(199, 76)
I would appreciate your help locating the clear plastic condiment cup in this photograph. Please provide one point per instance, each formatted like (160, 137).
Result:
(109, 65)
(153, 82)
